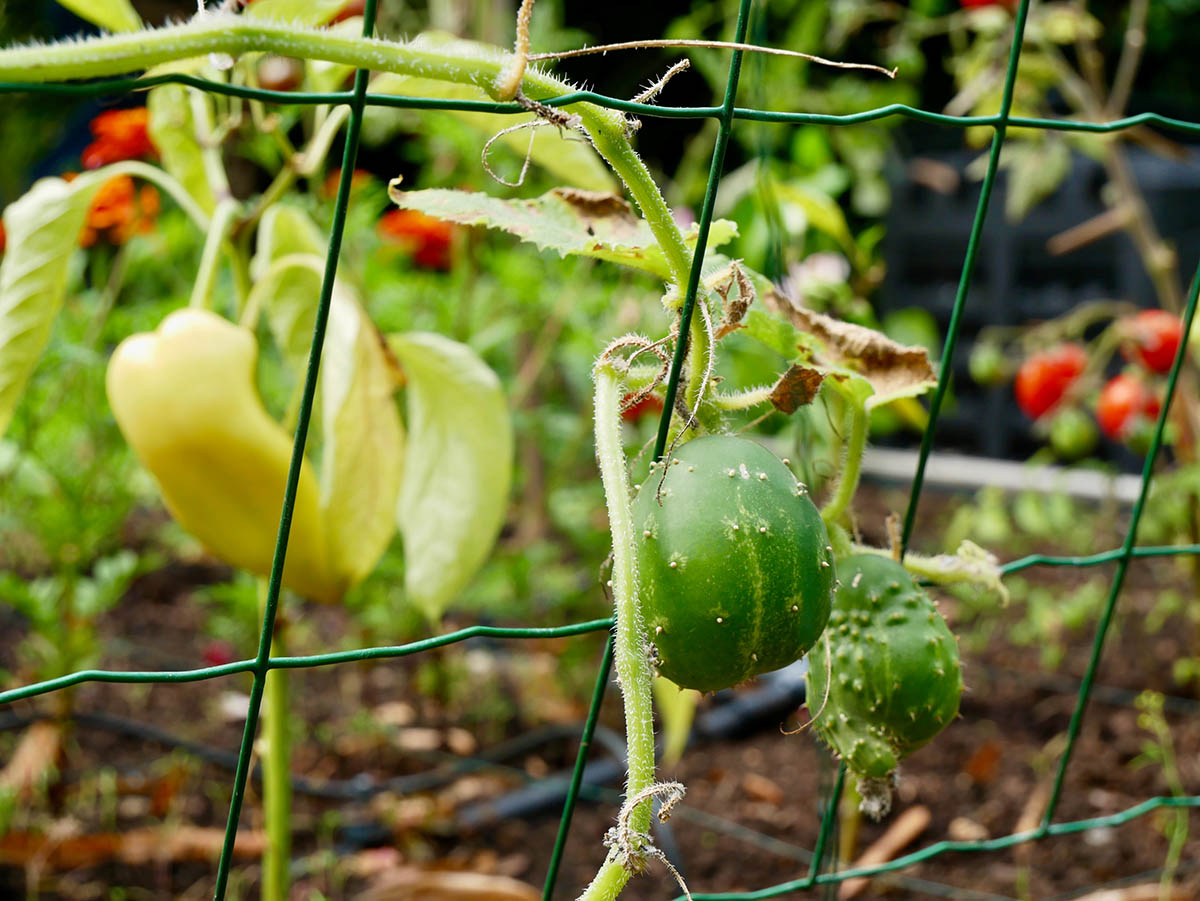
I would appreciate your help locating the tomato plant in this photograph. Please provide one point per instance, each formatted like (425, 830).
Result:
(1045, 377)
(1072, 434)
(1153, 338)
(1125, 405)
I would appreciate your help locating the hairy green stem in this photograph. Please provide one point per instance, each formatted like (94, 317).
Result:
(630, 660)
(459, 63)
(851, 464)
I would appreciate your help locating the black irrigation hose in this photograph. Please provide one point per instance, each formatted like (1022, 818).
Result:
(358, 789)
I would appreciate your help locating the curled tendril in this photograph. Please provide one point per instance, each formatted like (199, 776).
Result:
(634, 850)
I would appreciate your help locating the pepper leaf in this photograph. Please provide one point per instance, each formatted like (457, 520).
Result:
(111, 15)
(566, 220)
(287, 269)
(298, 12)
(457, 466)
(677, 709)
(172, 127)
(42, 230)
(362, 451)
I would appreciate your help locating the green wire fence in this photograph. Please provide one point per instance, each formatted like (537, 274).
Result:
(726, 114)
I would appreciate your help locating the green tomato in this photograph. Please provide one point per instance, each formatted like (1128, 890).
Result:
(1073, 434)
(988, 365)
(735, 567)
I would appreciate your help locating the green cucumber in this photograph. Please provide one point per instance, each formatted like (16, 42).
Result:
(896, 674)
(736, 571)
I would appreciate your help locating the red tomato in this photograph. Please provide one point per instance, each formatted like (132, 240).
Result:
(650, 405)
(1044, 378)
(1155, 337)
(353, 8)
(218, 653)
(1124, 404)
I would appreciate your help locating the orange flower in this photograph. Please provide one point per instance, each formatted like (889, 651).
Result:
(118, 211)
(360, 179)
(121, 134)
(426, 238)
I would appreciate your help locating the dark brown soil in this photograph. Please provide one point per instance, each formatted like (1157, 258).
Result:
(751, 813)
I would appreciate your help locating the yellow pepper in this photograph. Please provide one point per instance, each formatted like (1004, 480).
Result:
(185, 400)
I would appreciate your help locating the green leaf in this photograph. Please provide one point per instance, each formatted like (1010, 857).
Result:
(362, 452)
(560, 152)
(677, 709)
(287, 269)
(42, 231)
(111, 15)
(172, 127)
(569, 221)
(823, 214)
(771, 331)
(1035, 170)
(298, 12)
(285, 230)
(457, 466)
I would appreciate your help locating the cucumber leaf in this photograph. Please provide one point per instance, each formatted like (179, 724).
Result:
(566, 156)
(565, 220)
(457, 467)
(877, 369)
(298, 12)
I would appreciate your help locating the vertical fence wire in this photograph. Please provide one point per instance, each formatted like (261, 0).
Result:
(1118, 580)
(964, 283)
(706, 214)
(262, 662)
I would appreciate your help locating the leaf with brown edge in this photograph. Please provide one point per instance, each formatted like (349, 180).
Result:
(569, 221)
(892, 370)
(796, 388)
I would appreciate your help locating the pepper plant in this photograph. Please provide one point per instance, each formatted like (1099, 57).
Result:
(185, 398)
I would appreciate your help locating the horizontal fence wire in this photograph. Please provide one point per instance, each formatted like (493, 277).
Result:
(727, 113)
(119, 86)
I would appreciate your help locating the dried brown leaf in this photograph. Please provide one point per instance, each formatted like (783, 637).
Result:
(796, 388)
(736, 290)
(134, 847)
(903, 832)
(35, 759)
(892, 369)
(412, 884)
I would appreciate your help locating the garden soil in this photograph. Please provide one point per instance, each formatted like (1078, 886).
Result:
(751, 812)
